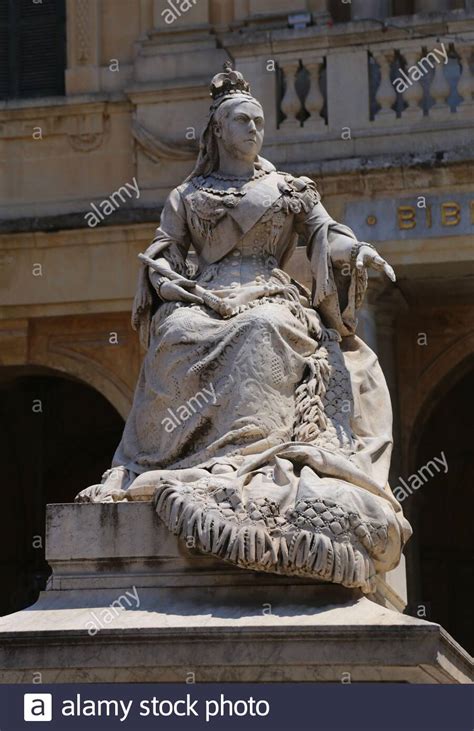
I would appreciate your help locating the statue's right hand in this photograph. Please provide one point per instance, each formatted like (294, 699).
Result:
(173, 291)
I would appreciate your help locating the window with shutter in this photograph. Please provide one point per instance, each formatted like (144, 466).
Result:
(32, 48)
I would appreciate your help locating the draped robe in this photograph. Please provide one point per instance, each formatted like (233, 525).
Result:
(261, 424)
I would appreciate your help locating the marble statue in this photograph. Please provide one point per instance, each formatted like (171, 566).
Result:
(261, 423)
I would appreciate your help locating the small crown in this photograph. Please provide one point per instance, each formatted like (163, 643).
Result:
(228, 82)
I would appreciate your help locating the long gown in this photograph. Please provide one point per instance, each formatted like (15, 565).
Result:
(261, 422)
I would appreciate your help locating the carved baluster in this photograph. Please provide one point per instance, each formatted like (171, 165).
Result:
(315, 100)
(440, 90)
(466, 82)
(385, 95)
(290, 104)
(414, 94)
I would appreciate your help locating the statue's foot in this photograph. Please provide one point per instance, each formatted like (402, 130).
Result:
(97, 494)
(110, 490)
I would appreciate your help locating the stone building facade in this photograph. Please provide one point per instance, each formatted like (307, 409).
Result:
(87, 164)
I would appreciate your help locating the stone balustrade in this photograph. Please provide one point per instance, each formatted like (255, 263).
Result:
(329, 90)
(302, 94)
(426, 81)
(430, 81)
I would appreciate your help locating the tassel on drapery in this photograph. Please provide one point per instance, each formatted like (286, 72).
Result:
(249, 545)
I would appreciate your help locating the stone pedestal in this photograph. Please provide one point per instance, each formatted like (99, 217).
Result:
(127, 603)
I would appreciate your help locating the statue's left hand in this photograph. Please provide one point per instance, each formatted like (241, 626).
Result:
(369, 257)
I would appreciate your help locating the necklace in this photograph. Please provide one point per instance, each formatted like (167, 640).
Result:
(229, 196)
(240, 178)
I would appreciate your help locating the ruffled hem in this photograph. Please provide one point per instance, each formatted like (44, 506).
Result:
(249, 545)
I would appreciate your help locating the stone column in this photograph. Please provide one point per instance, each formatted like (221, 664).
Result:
(385, 95)
(414, 94)
(378, 329)
(466, 80)
(388, 303)
(315, 100)
(439, 91)
(290, 103)
(367, 327)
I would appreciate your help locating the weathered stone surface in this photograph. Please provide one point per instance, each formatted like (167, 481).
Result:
(163, 612)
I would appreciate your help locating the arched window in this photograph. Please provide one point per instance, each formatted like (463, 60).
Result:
(32, 48)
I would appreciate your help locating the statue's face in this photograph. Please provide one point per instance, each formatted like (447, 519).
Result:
(240, 130)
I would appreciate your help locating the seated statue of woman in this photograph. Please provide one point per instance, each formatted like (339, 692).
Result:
(261, 424)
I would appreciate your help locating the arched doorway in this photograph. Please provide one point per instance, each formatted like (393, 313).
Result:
(59, 436)
(440, 556)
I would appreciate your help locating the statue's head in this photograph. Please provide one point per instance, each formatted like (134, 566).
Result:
(238, 128)
(235, 123)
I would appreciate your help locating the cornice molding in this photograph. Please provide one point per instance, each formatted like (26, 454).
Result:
(247, 41)
(172, 91)
(85, 124)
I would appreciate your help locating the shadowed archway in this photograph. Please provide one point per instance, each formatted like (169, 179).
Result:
(59, 435)
(440, 556)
